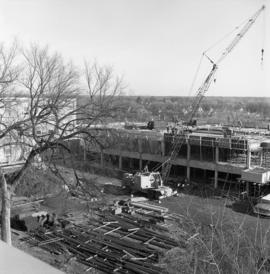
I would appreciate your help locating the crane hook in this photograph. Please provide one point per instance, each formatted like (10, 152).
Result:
(262, 52)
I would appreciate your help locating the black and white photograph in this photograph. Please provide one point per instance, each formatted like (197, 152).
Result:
(135, 136)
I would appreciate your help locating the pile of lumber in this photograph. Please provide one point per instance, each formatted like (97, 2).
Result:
(110, 243)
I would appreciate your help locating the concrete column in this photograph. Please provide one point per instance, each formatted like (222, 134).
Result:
(120, 162)
(217, 154)
(248, 160)
(188, 173)
(204, 173)
(216, 179)
(261, 158)
(140, 164)
(247, 188)
(188, 151)
(163, 147)
(188, 159)
(140, 152)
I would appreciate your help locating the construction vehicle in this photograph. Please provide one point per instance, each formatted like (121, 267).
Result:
(152, 182)
(149, 183)
(262, 208)
(132, 125)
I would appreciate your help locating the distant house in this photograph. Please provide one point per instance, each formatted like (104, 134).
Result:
(200, 110)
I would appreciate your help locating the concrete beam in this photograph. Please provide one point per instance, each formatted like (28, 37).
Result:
(217, 154)
(124, 153)
(228, 168)
(188, 173)
(220, 166)
(261, 158)
(140, 164)
(163, 147)
(247, 188)
(188, 151)
(152, 157)
(202, 165)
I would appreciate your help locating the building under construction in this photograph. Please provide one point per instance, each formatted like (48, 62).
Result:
(207, 155)
(210, 154)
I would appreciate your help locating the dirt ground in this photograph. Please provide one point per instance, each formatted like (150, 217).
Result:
(206, 210)
(220, 211)
(70, 207)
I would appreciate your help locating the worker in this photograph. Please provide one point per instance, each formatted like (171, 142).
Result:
(47, 221)
(146, 169)
(179, 186)
(42, 220)
(262, 52)
(186, 182)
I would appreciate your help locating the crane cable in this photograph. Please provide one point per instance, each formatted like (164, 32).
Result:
(174, 147)
(204, 54)
(226, 35)
(195, 76)
(263, 38)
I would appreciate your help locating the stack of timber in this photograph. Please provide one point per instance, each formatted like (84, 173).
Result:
(111, 243)
(155, 208)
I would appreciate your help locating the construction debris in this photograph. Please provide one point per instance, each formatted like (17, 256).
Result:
(112, 243)
(151, 207)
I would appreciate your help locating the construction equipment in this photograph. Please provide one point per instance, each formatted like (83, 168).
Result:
(150, 125)
(178, 142)
(263, 206)
(150, 183)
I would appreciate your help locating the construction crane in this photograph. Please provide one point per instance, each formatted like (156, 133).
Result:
(178, 142)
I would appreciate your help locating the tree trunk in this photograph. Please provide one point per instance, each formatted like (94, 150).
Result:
(5, 214)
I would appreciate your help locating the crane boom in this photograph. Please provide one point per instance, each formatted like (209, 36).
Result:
(206, 84)
(240, 34)
(178, 142)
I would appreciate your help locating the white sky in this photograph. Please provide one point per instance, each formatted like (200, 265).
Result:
(155, 44)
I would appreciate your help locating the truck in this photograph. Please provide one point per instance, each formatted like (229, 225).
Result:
(263, 206)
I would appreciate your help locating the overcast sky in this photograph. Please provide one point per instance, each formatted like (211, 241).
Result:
(155, 44)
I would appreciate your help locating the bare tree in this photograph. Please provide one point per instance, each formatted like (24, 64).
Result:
(50, 113)
(8, 75)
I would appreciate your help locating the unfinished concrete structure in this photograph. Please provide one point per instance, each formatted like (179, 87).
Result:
(205, 155)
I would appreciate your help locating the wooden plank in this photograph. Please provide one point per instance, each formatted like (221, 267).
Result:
(129, 234)
(105, 224)
(111, 231)
(50, 241)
